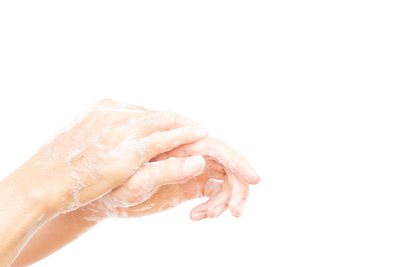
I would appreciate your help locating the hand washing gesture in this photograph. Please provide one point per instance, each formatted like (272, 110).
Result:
(117, 160)
(101, 150)
(97, 153)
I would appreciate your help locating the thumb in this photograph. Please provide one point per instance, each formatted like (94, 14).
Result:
(143, 183)
(169, 171)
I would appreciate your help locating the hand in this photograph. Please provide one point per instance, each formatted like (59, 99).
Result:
(103, 149)
(162, 184)
(142, 185)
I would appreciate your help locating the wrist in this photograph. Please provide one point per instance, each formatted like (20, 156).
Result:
(36, 186)
(24, 197)
(92, 213)
(21, 216)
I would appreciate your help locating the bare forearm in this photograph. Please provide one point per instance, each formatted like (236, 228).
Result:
(21, 215)
(52, 236)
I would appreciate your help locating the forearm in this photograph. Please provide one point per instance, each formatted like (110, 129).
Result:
(54, 235)
(21, 214)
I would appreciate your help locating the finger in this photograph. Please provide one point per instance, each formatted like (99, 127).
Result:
(150, 176)
(211, 189)
(161, 142)
(219, 203)
(214, 169)
(199, 212)
(239, 194)
(162, 121)
(170, 171)
(225, 155)
(169, 196)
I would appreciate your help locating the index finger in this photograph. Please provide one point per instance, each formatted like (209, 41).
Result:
(222, 153)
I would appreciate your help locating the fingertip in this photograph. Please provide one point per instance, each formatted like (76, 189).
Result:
(194, 165)
(199, 212)
(215, 211)
(197, 216)
(235, 213)
(255, 179)
(237, 209)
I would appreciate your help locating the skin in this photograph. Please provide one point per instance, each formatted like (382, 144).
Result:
(81, 164)
(205, 168)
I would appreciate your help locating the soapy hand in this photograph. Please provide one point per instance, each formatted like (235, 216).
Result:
(207, 167)
(116, 160)
(102, 149)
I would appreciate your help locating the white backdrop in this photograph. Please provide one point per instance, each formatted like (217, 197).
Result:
(307, 90)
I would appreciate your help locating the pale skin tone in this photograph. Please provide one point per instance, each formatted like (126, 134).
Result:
(110, 173)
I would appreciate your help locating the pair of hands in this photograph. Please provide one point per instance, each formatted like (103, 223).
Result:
(115, 160)
(123, 160)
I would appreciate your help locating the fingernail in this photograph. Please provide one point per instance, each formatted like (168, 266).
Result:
(240, 208)
(255, 177)
(237, 208)
(199, 215)
(193, 165)
(219, 210)
(241, 205)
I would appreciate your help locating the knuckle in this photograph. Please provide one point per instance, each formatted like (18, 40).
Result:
(135, 107)
(147, 172)
(105, 102)
(111, 115)
(213, 142)
(155, 145)
(134, 191)
(169, 115)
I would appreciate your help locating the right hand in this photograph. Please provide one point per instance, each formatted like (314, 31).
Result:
(101, 150)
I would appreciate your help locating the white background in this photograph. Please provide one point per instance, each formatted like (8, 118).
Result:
(307, 90)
